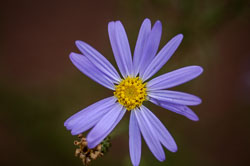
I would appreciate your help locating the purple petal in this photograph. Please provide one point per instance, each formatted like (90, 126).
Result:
(162, 57)
(179, 109)
(150, 134)
(163, 134)
(105, 125)
(151, 47)
(71, 121)
(116, 51)
(174, 78)
(175, 97)
(121, 48)
(134, 140)
(90, 70)
(83, 119)
(98, 60)
(140, 44)
(90, 121)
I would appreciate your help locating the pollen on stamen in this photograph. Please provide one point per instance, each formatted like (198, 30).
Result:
(131, 92)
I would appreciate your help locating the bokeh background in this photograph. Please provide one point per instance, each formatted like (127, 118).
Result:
(40, 88)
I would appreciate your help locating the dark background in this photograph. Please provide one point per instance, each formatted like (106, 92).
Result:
(40, 88)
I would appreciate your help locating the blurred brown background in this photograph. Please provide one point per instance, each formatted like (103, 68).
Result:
(40, 88)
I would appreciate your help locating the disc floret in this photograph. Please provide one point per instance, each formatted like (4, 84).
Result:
(131, 92)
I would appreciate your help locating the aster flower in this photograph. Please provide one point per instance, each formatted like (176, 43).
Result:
(133, 89)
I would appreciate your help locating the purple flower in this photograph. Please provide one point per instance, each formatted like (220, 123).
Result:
(133, 89)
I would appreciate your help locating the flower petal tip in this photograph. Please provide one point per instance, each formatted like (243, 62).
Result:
(135, 163)
(110, 25)
(201, 69)
(90, 144)
(179, 36)
(174, 150)
(74, 133)
(111, 22)
(118, 21)
(78, 42)
(72, 55)
(158, 22)
(66, 124)
(199, 101)
(196, 119)
(161, 159)
(193, 117)
(158, 25)
(147, 20)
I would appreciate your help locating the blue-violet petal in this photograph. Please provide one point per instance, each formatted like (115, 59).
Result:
(162, 57)
(90, 70)
(105, 125)
(163, 134)
(134, 140)
(150, 135)
(151, 47)
(175, 97)
(98, 60)
(179, 109)
(141, 44)
(174, 78)
(120, 47)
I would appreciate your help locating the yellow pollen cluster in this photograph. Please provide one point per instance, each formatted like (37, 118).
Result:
(131, 92)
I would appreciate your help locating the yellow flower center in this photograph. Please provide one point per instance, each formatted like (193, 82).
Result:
(131, 92)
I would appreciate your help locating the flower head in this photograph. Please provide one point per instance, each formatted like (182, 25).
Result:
(131, 92)
(133, 89)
